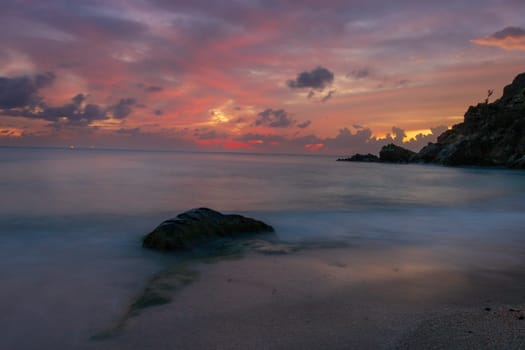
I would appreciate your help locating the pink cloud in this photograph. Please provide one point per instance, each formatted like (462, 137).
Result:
(240, 54)
(510, 38)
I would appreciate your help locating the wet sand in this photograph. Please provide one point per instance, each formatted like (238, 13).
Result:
(381, 297)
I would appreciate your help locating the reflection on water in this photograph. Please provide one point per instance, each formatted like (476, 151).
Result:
(71, 224)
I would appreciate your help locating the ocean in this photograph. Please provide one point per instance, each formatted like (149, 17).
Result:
(71, 223)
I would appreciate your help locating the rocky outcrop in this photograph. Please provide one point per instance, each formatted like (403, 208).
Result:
(200, 225)
(389, 154)
(360, 158)
(395, 154)
(492, 134)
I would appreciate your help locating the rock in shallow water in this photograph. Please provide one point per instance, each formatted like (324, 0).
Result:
(370, 158)
(200, 225)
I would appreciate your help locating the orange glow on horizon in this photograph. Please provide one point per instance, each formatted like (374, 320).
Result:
(410, 134)
(314, 147)
(11, 132)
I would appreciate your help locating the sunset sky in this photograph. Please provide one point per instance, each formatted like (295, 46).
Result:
(333, 76)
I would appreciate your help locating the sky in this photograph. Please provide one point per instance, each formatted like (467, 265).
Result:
(332, 76)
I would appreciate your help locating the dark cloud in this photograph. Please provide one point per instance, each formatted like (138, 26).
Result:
(153, 88)
(123, 108)
(359, 73)
(69, 114)
(277, 118)
(311, 94)
(158, 112)
(328, 96)
(316, 79)
(509, 38)
(345, 139)
(44, 79)
(150, 88)
(399, 134)
(304, 124)
(128, 131)
(19, 98)
(509, 32)
(209, 135)
(22, 91)
(78, 99)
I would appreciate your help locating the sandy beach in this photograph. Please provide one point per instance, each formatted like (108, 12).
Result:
(336, 299)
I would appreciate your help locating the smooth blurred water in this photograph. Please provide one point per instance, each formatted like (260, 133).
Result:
(71, 220)
(88, 191)
(64, 182)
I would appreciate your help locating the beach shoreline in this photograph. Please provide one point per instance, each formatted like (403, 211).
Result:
(328, 298)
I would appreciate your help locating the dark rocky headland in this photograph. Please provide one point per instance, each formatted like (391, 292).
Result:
(492, 134)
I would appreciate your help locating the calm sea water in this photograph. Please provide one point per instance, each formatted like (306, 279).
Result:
(71, 221)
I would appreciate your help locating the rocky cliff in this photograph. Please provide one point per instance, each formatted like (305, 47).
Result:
(492, 134)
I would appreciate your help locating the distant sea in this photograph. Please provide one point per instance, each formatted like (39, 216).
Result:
(71, 221)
